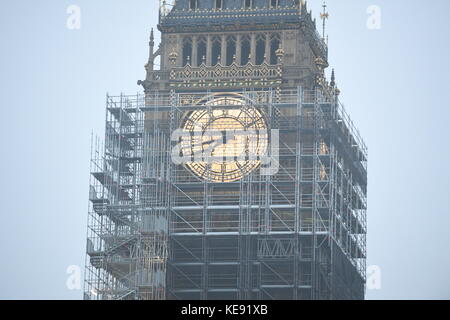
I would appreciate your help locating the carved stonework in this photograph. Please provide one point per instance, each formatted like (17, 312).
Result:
(226, 76)
(198, 46)
(291, 35)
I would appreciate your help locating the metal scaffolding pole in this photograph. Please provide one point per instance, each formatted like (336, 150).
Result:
(157, 231)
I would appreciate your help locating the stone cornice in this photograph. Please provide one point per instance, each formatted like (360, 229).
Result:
(231, 19)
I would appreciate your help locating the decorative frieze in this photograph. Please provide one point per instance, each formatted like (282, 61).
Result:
(226, 76)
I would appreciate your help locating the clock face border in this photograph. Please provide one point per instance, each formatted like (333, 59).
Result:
(241, 154)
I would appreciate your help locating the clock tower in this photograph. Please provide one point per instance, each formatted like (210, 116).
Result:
(238, 174)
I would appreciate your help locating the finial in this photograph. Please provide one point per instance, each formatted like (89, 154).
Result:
(321, 64)
(152, 39)
(337, 91)
(279, 53)
(164, 7)
(173, 57)
(303, 10)
(324, 16)
(333, 79)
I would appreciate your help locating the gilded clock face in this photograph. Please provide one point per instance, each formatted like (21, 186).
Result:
(226, 140)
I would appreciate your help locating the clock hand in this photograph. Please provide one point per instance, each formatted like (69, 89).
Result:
(202, 143)
(224, 137)
(212, 145)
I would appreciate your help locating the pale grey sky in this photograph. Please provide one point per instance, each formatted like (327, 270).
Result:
(394, 83)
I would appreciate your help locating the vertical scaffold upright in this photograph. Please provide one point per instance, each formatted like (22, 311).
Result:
(287, 235)
(159, 229)
(127, 227)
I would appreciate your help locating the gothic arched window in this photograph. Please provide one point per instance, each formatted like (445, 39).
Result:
(274, 46)
(231, 50)
(187, 51)
(245, 50)
(247, 4)
(274, 3)
(219, 4)
(201, 50)
(216, 50)
(192, 4)
(260, 49)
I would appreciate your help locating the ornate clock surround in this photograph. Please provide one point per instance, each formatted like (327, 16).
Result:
(228, 138)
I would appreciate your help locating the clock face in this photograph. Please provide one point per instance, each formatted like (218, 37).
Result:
(226, 140)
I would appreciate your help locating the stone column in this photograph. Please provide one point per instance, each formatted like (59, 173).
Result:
(238, 49)
(267, 48)
(209, 50)
(253, 49)
(223, 54)
(194, 51)
(179, 51)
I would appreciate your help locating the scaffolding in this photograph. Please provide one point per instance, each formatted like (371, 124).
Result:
(127, 225)
(157, 231)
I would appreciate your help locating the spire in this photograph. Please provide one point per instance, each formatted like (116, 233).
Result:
(151, 57)
(304, 8)
(333, 84)
(152, 38)
(333, 79)
(324, 16)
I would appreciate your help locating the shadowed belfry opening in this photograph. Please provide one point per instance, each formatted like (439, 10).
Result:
(167, 223)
